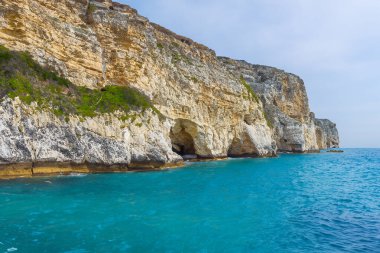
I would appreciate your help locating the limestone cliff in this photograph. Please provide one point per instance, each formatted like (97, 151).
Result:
(327, 134)
(202, 107)
(287, 108)
(207, 112)
(38, 142)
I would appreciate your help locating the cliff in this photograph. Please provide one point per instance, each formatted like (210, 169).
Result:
(287, 108)
(68, 112)
(327, 134)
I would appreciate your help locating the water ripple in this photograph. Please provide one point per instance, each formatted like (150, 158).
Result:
(295, 203)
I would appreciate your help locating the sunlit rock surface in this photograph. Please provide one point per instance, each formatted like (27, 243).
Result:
(206, 110)
(287, 108)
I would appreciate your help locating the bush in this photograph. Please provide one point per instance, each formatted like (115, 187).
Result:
(5, 54)
(269, 122)
(89, 15)
(91, 8)
(252, 95)
(21, 76)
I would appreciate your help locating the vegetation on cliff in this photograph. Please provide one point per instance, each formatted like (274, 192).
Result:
(21, 76)
(268, 120)
(89, 15)
(251, 94)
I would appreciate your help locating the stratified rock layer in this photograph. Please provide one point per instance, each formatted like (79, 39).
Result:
(43, 142)
(97, 43)
(327, 134)
(206, 110)
(287, 108)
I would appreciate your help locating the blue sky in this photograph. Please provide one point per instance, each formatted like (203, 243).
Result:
(333, 45)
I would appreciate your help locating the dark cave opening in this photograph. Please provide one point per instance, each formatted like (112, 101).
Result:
(182, 141)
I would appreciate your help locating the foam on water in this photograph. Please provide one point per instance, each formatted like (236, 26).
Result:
(295, 203)
(77, 175)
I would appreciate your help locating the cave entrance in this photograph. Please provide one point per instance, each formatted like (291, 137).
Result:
(242, 147)
(296, 148)
(182, 140)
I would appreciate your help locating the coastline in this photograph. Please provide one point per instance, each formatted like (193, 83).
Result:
(31, 170)
(47, 169)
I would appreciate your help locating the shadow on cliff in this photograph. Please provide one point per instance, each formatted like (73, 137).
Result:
(182, 137)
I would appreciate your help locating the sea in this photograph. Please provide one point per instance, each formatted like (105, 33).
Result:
(326, 202)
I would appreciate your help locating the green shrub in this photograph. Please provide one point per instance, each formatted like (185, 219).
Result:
(176, 57)
(251, 93)
(5, 54)
(269, 122)
(90, 14)
(194, 79)
(20, 87)
(21, 76)
(175, 44)
(91, 8)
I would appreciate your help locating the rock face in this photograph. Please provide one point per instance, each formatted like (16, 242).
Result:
(327, 134)
(207, 112)
(100, 43)
(287, 108)
(40, 141)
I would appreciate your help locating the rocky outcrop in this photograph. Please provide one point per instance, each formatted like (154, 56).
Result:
(327, 134)
(206, 110)
(44, 143)
(286, 105)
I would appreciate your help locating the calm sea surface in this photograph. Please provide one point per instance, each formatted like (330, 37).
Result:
(295, 203)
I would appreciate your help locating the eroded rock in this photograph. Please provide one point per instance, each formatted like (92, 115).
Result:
(206, 111)
(327, 134)
(287, 108)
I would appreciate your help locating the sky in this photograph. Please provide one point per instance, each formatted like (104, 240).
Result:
(334, 46)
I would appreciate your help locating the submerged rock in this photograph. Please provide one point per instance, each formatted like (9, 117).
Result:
(335, 151)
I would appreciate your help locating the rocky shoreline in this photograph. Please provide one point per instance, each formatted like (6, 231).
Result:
(29, 170)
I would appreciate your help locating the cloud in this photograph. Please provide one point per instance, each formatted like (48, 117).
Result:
(333, 45)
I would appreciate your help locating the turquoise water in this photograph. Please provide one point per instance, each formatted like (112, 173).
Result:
(294, 203)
